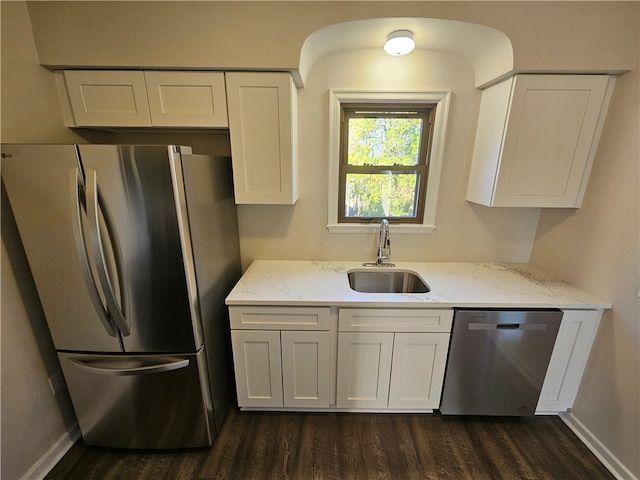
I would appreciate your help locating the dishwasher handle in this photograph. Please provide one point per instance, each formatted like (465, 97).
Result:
(508, 326)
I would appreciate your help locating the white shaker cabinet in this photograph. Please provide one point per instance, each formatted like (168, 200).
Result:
(187, 99)
(569, 358)
(128, 98)
(417, 373)
(263, 129)
(258, 369)
(392, 358)
(364, 369)
(105, 98)
(536, 139)
(282, 356)
(306, 368)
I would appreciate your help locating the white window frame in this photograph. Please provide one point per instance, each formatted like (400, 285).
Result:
(336, 99)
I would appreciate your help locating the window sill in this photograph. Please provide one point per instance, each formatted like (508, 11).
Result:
(401, 229)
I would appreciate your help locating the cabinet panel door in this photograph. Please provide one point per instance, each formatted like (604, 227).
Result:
(108, 98)
(417, 372)
(550, 139)
(187, 99)
(262, 127)
(256, 357)
(305, 368)
(568, 360)
(364, 368)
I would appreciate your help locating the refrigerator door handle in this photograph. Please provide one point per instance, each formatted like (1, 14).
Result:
(82, 255)
(119, 368)
(93, 217)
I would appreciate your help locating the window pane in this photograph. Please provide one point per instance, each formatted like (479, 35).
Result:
(384, 141)
(384, 194)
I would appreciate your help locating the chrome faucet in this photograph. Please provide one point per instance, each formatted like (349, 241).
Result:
(384, 246)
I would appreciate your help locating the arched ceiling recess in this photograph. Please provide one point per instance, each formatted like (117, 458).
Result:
(488, 50)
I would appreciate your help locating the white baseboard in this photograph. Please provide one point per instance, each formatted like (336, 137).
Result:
(53, 455)
(603, 454)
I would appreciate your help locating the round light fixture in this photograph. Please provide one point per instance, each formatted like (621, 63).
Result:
(399, 43)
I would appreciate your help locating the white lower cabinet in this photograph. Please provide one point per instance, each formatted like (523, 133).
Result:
(258, 368)
(282, 356)
(306, 368)
(373, 358)
(387, 369)
(364, 369)
(281, 369)
(417, 373)
(569, 358)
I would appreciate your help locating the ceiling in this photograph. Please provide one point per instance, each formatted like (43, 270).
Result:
(488, 50)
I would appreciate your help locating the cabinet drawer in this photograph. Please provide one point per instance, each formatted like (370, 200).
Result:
(381, 320)
(280, 318)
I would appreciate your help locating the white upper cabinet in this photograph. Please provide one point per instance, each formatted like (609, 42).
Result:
(110, 98)
(536, 139)
(104, 98)
(187, 99)
(263, 131)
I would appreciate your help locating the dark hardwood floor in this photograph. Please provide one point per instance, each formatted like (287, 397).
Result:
(346, 446)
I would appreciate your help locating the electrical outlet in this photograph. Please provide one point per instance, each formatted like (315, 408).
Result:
(56, 382)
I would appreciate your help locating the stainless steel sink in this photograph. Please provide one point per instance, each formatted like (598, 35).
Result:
(387, 281)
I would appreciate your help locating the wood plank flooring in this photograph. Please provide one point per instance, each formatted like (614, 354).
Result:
(354, 446)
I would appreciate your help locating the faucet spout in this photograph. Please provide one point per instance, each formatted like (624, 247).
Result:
(384, 247)
(384, 243)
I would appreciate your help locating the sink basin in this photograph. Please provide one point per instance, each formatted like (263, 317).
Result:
(386, 281)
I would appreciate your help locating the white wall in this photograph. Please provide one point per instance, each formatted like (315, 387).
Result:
(597, 248)
(33, 419)
(465, 232)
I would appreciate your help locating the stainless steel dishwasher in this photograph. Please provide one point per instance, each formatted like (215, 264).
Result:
(498, 360)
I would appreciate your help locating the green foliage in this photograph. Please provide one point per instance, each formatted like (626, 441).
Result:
(382, 142)
(381, 195)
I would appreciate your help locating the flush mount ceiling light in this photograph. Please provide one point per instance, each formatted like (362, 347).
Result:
(399, 43)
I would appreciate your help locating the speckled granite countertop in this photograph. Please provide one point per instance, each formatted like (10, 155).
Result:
(453, 284)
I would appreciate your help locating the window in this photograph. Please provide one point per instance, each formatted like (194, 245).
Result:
(385, 157)
(383, 162)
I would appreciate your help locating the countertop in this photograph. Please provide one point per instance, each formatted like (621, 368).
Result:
(453, 284)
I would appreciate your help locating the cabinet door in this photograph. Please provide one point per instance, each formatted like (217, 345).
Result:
(256, 357)
(306, 368)
(568, 360)
(364, 368)
(536, 139)
(262, 126)
(107, 98)
(417, 373)
(187, 99)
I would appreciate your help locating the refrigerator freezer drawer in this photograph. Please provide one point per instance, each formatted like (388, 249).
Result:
(140, 401)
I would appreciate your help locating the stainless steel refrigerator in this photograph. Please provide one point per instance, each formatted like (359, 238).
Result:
(133, 250)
